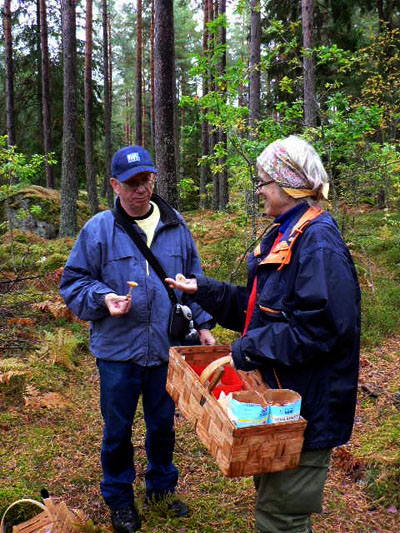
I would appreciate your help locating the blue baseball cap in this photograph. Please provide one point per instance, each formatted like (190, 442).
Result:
(130, 161)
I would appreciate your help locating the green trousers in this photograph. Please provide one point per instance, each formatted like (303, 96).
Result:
(285, 500)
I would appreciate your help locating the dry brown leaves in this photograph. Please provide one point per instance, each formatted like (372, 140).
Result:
(57, 308)
(48, 400)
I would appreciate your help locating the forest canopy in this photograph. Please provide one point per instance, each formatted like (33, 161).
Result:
(79, 80)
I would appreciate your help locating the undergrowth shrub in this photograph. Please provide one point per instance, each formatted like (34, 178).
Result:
(60, 347)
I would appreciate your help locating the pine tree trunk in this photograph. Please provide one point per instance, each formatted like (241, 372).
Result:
(152, 90)
(108, 191)
(255, 57)
(9, 76)
(164, 100)
(127, 119)
(39, 79)
(213, 13)
(176, 120)
(143, 112)
(310, 107)
(182, 129)
(89, 163)
(223, 199)
(139, 54)
(110, 60)
(69, 182)
(205, 141)
(48, 145)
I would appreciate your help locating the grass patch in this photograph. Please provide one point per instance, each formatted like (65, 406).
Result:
(380, 312)
(383, 484)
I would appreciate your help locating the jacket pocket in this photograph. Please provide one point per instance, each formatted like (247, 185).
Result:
(269, 310)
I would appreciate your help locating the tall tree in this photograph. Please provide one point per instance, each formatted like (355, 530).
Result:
(164, 100)
(48, 145)
(110, 58)
(152, 91)
(205, 141)
(139, 56)
(69, 182)
(143, 112)
(39, 80)
(255, 57)
(222, 137)
(310, 102)
(9, 75)
(213, 13)
(89, 159)
(108, 191)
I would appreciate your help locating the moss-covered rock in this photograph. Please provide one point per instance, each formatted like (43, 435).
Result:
(44, 221)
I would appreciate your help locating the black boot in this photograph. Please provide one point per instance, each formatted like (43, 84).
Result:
(125, 520)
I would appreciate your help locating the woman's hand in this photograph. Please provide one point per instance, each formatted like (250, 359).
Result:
(117, 305)
(188, 285)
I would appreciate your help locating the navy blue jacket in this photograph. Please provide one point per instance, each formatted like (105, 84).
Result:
(306, 326)
(103, 259)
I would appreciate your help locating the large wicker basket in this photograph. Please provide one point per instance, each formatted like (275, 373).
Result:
(238, 452)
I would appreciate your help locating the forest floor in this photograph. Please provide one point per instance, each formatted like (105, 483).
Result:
(53, 440)
(50, 423)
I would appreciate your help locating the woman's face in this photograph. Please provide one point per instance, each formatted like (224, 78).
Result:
(277, 201)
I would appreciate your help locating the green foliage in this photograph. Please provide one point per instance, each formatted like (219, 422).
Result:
(17, 164)
(33, 254)
(60, 347)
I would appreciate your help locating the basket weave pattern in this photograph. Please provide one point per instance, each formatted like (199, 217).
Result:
(237, 451)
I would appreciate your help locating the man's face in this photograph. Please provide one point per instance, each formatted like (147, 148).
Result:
(135, 193)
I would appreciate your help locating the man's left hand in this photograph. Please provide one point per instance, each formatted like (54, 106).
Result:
(206, 338)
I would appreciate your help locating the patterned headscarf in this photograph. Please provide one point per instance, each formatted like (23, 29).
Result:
(275, 162)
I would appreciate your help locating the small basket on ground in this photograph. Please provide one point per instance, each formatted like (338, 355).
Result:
(55, 517)
(238, 451)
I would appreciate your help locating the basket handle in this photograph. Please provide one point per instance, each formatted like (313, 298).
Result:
(216, 366)
(23, 500)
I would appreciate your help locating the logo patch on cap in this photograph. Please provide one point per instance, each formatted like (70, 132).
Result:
(132, 157)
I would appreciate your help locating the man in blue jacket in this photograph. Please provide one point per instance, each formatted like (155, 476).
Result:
(300, 322)
(129, 333)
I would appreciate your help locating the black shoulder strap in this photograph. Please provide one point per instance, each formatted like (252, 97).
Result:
(148, 254)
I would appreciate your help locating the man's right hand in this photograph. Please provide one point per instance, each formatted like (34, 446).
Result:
(117, 305)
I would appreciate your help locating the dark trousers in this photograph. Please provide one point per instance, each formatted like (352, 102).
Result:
(120, 386)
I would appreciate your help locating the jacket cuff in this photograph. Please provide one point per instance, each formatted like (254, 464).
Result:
(100, 298)
(241, 362)
(202, 287)
(210, 324)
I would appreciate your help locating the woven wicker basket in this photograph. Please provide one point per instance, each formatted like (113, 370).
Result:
(238, 452)
(55, 517)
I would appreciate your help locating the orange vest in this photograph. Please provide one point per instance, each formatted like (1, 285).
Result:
(282, 252)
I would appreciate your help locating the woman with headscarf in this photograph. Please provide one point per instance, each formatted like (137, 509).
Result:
(300, 322)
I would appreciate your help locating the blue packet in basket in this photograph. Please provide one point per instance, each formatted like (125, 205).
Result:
(246, 412)
(284, 405)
